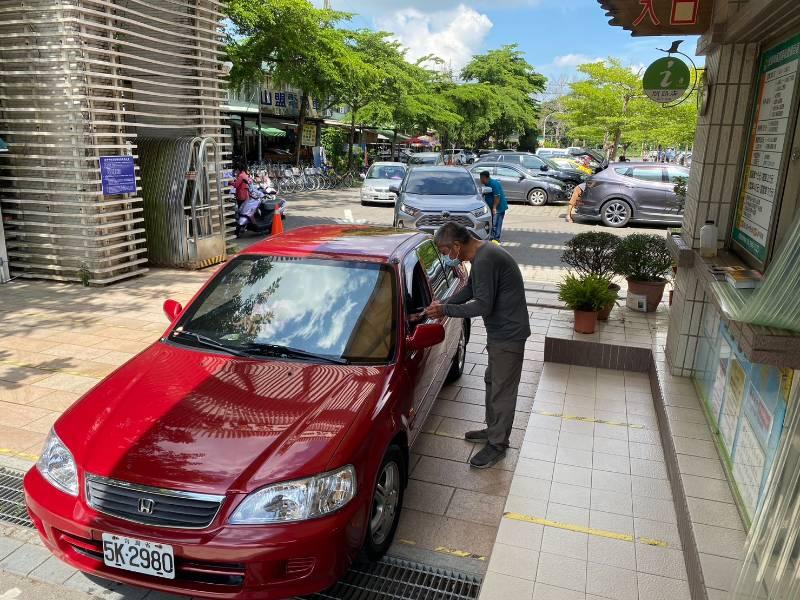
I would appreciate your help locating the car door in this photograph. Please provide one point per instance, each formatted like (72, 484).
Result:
(647, 189)
(513, 182)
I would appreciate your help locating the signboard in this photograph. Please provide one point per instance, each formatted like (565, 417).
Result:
(666, 80)
(769, 144)
(117, 175)
(660, 17)
(309, 135)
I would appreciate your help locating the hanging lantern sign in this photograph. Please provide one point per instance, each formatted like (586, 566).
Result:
(667, 80)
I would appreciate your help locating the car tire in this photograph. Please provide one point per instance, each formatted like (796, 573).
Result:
(385, 508)
(457, 366)
(537, 197)
(616, 213)
(569, 187)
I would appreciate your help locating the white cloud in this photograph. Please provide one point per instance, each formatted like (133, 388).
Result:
(454, 35)
(573, 60)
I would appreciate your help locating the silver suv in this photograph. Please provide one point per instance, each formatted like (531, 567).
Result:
(429, 197)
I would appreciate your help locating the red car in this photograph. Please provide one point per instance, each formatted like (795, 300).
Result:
(261, 443)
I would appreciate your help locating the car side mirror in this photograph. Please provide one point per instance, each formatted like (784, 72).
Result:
(172, 308)
(426, 335)
(486, 190)
(394, 187)
(521, 177)
(362, 175)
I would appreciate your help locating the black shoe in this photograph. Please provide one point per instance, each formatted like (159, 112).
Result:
(477, 436)
(487, 457)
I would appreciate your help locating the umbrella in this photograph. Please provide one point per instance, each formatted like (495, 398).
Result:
(422, 140)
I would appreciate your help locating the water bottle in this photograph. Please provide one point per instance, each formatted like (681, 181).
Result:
(708, 240)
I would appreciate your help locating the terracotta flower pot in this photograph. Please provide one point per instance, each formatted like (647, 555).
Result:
(652, 290)
(606, 311)
(585, 321)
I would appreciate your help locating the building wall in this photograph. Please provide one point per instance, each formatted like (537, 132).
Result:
(80, 79)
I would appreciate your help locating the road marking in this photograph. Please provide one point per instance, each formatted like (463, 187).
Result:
(581, 529)
(587, 419)
(16, 454)
(458, 553)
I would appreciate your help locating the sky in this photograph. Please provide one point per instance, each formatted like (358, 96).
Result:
(555, 35)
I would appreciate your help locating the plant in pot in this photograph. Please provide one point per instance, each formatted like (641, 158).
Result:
(645, 262)
(592, 254)
(586, 296)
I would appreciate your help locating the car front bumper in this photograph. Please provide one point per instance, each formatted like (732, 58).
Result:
(264, 562)
(429, 222)
(378, 197)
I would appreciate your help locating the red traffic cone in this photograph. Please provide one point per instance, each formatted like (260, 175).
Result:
(277, 224)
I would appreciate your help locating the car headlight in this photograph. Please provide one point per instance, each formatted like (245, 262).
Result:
(479, 212)
(57, 465)
(297, 500)
(409, 210)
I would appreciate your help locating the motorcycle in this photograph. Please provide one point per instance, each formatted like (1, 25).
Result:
(258, 211)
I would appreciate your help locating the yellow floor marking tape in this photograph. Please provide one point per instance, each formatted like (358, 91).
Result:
(47, 369)
(458, 553)
(587, 419)
(408, 542)
(16, 454)
(580, 529)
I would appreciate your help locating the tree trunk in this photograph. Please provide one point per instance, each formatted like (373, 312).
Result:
(394, 143)
(618, 132)
(301, 122)
(352, 139)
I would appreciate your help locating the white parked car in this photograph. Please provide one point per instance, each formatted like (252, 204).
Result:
(375, 189)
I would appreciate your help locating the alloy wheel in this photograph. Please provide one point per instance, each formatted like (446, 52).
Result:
(569, 187)
(616, 213)
(537, 197)
(461, 353)
(385, 500)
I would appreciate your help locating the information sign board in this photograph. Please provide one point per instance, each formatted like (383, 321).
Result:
(117, 175)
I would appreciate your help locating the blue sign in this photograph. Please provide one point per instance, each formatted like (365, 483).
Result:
(117, 175)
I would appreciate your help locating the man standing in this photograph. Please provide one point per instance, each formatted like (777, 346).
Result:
(497, 203)
(494, 291)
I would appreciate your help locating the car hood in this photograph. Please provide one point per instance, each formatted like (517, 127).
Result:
(184, 419)
(382, 183)
(444, 203)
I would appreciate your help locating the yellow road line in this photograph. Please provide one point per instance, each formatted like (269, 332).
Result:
(16, 454)
(581, 529)
(458, 553)
(587, 419)
(14, 363)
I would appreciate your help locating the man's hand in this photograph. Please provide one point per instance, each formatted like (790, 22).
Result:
(435, 310)
(494, 212)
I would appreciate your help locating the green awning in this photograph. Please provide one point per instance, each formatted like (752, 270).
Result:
(390, 134)
(267, 131)
(3, 146)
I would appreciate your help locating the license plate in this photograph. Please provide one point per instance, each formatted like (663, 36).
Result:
(130, 554)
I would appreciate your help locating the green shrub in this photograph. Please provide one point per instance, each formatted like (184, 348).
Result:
(592, 254)
(643, 257)
(586, 293)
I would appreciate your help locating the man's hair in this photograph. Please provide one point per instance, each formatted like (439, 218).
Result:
(485, 174)
(452, 232)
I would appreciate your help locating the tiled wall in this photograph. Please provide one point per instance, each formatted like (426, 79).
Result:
(720, 143)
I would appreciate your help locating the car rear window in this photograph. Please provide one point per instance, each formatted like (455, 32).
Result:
(647, 174)
(440, 183)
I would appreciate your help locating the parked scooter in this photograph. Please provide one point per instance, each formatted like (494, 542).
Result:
(257, 212)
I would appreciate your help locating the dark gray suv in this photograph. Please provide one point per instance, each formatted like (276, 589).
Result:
(629, 191)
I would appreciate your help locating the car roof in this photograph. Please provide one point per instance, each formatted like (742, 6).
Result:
(630, 163)
(425, 153)
(359, 242)
(438, 168)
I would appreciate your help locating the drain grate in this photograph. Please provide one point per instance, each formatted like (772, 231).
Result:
(12, 499)
(388, 579)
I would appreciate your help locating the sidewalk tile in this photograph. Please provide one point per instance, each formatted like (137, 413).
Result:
(653, 587)
(709, 489)
(666, 562)
(564, 513)
(497, 586)
(701, 467)
(576, 458)
(530, 467)
(520, 533)
(565, 543)
(658, 530)
(575, 441)
(475, 507)
(611, 462)
(572, 475)
(8, 545)
(514, 561)
(719, 540)
(24, 559)
(654, 509)
(709, 512)
(719, 572)
(648, 468)
(536, 451)
(612, 522)
(648, 487)
(611, 582)
(427, 497)
(530, 487)
(542, 591)
(525, 506)
(645, 451)
(571, 495)
(610, 481)
(561, 571)
(611, 552)
(440, 446)
(53, 571)
(612, 502)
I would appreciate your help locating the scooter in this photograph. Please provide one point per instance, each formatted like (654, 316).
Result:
(257, 212)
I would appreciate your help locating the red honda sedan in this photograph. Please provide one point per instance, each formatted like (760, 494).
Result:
(262, 442)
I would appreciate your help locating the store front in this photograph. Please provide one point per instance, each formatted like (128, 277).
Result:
(741, 346)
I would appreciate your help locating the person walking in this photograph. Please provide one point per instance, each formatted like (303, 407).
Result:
(577, 194)
(242, 185)
(496, 200)
(496, 292)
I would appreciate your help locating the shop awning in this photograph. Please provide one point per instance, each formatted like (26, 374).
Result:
(390, 135)
(651, 17)
(3, 146)
(267, 131)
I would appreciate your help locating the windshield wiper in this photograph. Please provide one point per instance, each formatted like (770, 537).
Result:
(210, 343)
(285, 351)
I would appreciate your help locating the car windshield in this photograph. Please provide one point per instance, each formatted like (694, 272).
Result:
(266, 302)
(549, 163)
(386, 172)
(440, 183)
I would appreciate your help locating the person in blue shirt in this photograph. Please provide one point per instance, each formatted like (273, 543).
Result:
(497, 202)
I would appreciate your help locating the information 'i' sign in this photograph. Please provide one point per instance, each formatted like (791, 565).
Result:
(666, 80)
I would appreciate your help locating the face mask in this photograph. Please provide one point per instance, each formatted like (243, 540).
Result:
(450, 261)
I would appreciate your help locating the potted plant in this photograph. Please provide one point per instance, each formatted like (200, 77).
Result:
(592, 254)
(645, 261)
(586, 296)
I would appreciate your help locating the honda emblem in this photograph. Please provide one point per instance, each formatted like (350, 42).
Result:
(146, 506)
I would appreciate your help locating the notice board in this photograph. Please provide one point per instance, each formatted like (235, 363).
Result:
(117, 175)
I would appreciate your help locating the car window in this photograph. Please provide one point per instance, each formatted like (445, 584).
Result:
(454, 182)
(417, 293)
(434, 269)
(476, 171)
(386, 172)
(264, 301)
(624, 171)
(532, 162)
(651, 174)
(507, 172)
(673, 173)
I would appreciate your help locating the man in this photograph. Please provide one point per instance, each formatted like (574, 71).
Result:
(494, 291)
(577, 194)
(496, 200)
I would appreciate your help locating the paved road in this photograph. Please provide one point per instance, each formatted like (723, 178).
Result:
(535, 236)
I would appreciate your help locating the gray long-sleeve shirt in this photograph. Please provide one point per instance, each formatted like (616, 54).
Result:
(494, 291)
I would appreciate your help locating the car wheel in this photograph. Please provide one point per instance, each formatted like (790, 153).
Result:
(387, 502)
(569, 187)
(537, 197)
(457, 366)
(616, 213)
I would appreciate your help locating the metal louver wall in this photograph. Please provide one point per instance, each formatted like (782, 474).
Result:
(80, 79)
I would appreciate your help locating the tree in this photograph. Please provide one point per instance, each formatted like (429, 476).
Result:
(291, 41)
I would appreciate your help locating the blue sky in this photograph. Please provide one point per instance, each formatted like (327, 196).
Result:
(556, 35)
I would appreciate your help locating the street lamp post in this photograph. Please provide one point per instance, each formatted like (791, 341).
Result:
(544, 126)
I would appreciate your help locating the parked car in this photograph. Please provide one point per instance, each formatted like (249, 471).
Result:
(546, 152)
(470, 157)
(263, 441)
(431, 196)
(538, 164)
(379, 177)
(520, 185)
(426, 158)
(455, 156)
(629, 191)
